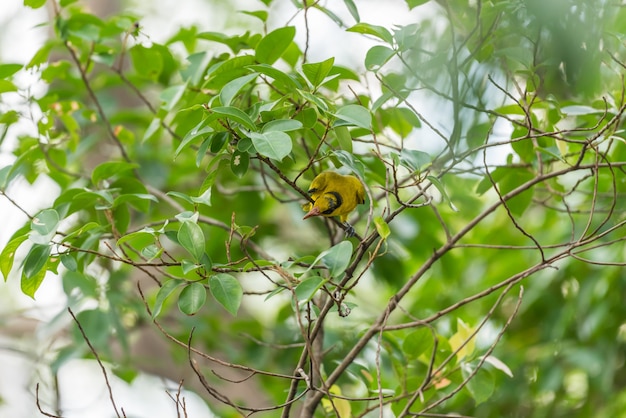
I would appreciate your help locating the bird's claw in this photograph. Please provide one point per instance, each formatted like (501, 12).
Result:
(349, 230)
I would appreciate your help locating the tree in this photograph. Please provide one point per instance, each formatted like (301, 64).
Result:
(485, 275)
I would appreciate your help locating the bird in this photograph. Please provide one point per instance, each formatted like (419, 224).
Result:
(334, 194)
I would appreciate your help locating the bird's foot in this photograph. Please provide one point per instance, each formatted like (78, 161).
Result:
(349, 230)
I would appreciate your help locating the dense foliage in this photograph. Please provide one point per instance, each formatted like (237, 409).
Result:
(485, 277)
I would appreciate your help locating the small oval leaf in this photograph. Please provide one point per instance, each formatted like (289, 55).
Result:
(307, 288)
(377, 56)
(239, 163)
(274, 44)
(282, 125)
(355, 115)
(232, 88)
(164, 292)
(382, 227)
(191, 238)
(36, 259)
(192, 298)
(8, 255)
(275, 144)
(227, 290)
(44, 226)
(236, 115)
(317, 72)
(337, 258)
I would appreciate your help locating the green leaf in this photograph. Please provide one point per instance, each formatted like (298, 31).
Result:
(578, 110)
(200, 129)
(317, 72)
(35, 260)
(308, 117)
(195, 71)
(44, 226)
(171, 96)
(279, 76)
(96, 324)
(84, 26)
(69, 262)
(151, 252)
(274, 44)
(308, 287)
(182, 196)
(164, 292)
(337, 258)
(414, 160)
(6, 174)
(274, 144)
(274, 292)
(553, 152)
(481, 385)
(259, 14)
(7, 86)
(239, 163)
(329, 13)
(351, 161)
(87, 285)
(418, 342)
(378, 31)
(8, 254)
(9, 117)
(148, 62)
(35, 4)
(344, 138)
(30, 285)
(188, 266)
(319, 102)
(192, 298)
(407, 36)
(352, 9)
(7, 70)
(507, 179)
(282, 125)
(218, 141)
(204, 198)
(227, 290)
(143, 236)
(41, 56)
(444, 194)
(377, 56)
(414, 3)
(355, 115)
(402, 120)
(232, 88)
(382, 227)
(207, 263)
(478, 134)
(191, 238)
(235, 43)
(110, 169)
(152, 129)
(236, 115)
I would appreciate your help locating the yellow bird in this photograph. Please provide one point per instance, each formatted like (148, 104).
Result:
(334, 194)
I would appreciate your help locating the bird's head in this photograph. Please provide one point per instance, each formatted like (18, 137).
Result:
(325, 205)
(315, 211)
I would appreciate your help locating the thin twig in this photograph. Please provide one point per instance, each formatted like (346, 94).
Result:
(104, 372)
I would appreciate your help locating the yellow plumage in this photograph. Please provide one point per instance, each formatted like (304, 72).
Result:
(334, 194)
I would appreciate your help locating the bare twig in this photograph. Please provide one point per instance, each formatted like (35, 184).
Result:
(102, 368)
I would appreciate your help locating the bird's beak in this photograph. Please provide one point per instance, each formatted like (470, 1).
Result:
(315, 211)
